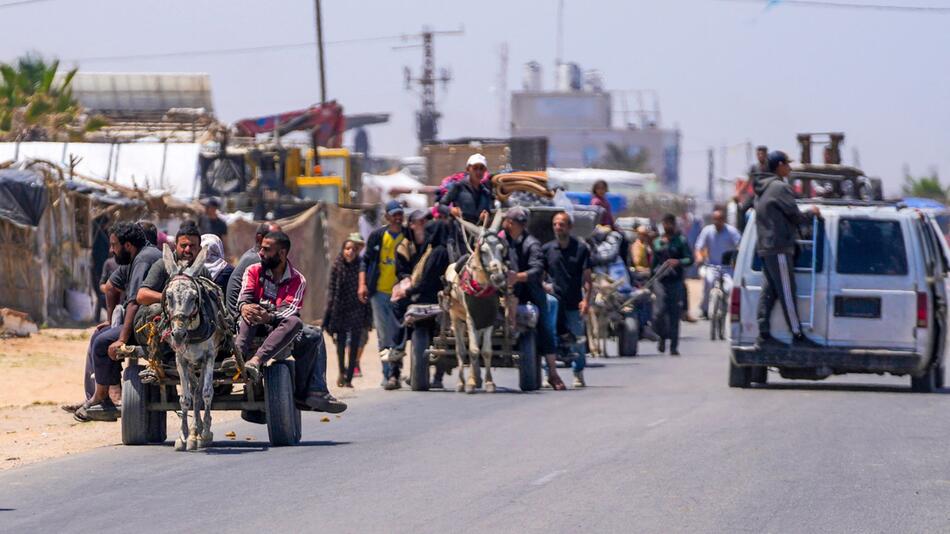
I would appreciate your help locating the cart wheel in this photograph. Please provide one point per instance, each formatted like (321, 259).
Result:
(529, 368)
(739, 377)
(420, 359)
(629, 336)
(135, 417)
(157, 421)
(282, 413)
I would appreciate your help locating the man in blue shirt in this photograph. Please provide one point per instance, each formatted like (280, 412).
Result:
(715, 240)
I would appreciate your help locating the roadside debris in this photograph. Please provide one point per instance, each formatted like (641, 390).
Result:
(15, 323)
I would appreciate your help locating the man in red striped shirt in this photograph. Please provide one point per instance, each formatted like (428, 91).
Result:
(271, 296)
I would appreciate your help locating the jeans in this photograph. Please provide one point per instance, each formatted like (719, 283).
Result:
(352, 338)
(669, 295)
(384, 319)
(310, 357)
(108, 371)
(283, 334)
(572, 322)
(709, 274)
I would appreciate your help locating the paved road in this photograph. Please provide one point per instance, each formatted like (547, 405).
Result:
(655, 444)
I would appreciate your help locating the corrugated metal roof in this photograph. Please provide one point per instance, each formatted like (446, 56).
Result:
(130, 92)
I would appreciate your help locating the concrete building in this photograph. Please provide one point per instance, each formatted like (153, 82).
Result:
(586, 127)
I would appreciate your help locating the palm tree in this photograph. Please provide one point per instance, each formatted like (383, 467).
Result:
(36, 105)
(926, 187)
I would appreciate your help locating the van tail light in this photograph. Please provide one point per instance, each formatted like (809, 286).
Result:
(921, 310)
(735, 304)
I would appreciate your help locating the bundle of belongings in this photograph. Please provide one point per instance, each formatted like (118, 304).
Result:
(535, 182)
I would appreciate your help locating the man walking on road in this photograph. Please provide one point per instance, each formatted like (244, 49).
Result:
(377, 278)
(671, 251)
(568, 264)
(777, 219)
(714, 241)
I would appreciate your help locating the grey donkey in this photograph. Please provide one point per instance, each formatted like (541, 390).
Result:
(195, 340)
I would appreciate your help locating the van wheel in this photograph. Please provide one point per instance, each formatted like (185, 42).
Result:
(926, 383)
(739, 377)
(759, 375)
(938, 379)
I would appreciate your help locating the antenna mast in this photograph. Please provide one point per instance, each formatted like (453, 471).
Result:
(427, 118)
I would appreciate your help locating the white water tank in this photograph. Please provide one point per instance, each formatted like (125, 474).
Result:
(568, 77)
(532, 77)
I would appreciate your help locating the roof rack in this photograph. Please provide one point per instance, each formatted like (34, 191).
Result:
(853, 202)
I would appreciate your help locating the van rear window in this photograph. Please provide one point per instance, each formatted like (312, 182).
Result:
(871, 247)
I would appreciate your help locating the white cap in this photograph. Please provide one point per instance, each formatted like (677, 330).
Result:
(477, 159)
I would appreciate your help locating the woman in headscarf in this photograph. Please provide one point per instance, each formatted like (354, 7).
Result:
(219, 268)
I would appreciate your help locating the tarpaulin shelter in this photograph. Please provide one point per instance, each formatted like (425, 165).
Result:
(47, 230)
(316, 237)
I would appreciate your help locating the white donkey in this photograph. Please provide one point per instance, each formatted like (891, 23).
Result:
(474, 300)
(191, 310)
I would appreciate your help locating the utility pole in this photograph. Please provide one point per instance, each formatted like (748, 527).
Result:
(323, 80)
(709, 175)
(427, 118)
(502, 88)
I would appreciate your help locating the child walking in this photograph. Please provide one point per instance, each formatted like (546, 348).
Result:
(346, 318)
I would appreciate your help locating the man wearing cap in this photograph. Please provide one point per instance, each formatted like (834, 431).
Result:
(210, 223)
(469, 199)
(377, 278)
(525, 276)
(777, 219)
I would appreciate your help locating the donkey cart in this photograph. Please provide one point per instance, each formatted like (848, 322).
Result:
(270, 401)
(436, 345)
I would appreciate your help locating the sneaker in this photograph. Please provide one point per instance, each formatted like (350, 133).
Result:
(648, 333)
(392, 383)
(436, 384)
(674, 352)
(661, 346)
(579, 379)
(357, 373)
(324, 402)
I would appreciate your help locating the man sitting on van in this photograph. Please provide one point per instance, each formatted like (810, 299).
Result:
(777, 219)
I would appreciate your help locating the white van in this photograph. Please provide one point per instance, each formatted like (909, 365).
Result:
(876, 299)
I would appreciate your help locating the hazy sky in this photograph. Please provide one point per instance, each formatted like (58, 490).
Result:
(726, 72)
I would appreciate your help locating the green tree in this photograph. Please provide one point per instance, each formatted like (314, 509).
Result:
(617, 158)
(926, 187)
(36, 105)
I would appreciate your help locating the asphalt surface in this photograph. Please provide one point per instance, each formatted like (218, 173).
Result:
(654, 444)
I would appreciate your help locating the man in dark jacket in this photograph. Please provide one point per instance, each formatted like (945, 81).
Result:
(469, 199)
(777, 219)
(672, 251)
(525, 276)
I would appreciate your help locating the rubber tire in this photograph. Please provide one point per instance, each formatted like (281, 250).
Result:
(628, 338)
(529, 368)
(926, 383)
(938, 379)
(157, 421)
(419, 373)
(739, 377)
(283, 416)
(135, 417)
(759, 375)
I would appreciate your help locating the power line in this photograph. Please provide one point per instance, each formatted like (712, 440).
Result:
(238, 50)
(21, 2)
(845, 5)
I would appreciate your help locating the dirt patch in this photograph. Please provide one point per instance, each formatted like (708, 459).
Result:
(44, 371)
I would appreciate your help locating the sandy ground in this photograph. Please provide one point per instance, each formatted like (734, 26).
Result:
(42, 372)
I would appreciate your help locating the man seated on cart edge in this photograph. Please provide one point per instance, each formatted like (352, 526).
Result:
(271, 296)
